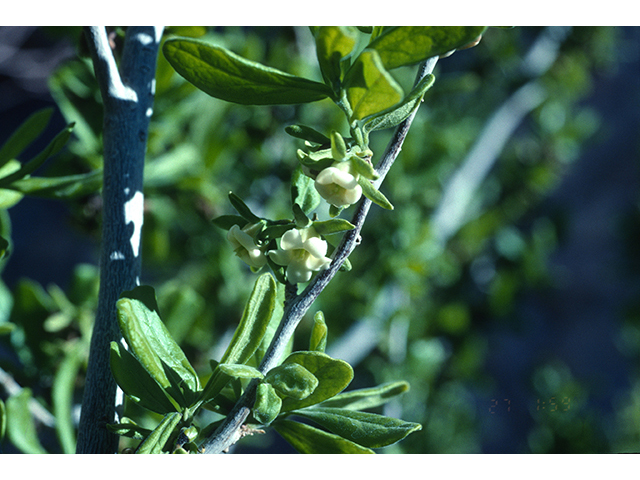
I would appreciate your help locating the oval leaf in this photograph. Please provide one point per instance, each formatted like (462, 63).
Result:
(333, 376)
(399, 46)
(333, 44)
(225, 75)
(267, 405)
(367, 429)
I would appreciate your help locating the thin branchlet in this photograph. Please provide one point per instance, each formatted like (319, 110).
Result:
(297, 305)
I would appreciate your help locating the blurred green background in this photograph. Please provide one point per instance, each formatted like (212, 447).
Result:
(504, 287)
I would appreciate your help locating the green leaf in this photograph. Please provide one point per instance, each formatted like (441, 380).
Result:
(333, 376)
(267, 405)
(370, 88)
(64, 187)
(292, 380)
(254, 322)
(153, 346)
(364, 398)
(335, 225)
(239, 371)
(303, 192)
(54, 147)
(248, 336)
(367, 429)
(399, 46)
(398, 113)
(62, 397)
(26, 133)
(333, 45)
(225, 75)
(137, 383)
(156, 442)
(242, 208)
(3, 420)
(21, 429)
(307, 439)
(373, 194)
(128, 428)
(9, 197)
(318, 340)
(338, 146)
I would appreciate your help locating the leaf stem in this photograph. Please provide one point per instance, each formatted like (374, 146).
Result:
(297, 305)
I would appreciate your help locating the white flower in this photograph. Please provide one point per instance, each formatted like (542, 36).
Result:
(244, 246)
(302, 252)
(338, 185)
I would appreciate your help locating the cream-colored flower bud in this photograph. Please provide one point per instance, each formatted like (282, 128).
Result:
(244, 245)
(338, 184)
(302, 252)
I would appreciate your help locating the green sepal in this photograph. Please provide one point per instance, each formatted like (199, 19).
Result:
(335, 225)
(335, 211)
(239, 371)
(308, 439)
(367, 429)
(319, 331)
(26, 133)
(301, 220)
(364, 167)
(151, 343)
(242, 208)
(408, 45)
(369, 87)
(365, 398)
(225, 75)
(157, 440)
(267, 405)
(308, 134)
(373, 194)
(137, 383)
(333, 376)
(338, 146)
(292, 380)
(398, 113)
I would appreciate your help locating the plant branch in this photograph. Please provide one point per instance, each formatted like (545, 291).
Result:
(127, 97)
(296, 307)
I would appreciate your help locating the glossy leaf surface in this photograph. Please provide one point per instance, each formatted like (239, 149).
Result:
(225, 75)
(370, 88)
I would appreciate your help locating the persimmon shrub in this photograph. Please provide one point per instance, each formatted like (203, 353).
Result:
(259, 382)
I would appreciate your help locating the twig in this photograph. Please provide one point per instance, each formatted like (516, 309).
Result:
(228, 433)
(127, 97)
